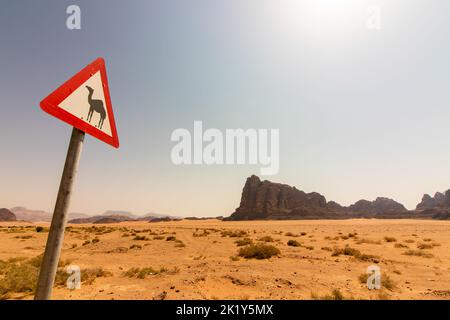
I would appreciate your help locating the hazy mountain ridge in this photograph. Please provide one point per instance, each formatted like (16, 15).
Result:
(32, 215)
(115, 216)
(25, 214)
(7, 215)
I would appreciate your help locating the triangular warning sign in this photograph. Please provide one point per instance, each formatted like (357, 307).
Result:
(84, 102)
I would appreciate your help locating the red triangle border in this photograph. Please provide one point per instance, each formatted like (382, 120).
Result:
(51, 103)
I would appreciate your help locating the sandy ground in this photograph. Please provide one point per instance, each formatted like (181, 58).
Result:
(203, 269)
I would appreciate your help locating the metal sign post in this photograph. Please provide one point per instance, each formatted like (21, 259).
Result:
(84, 102)
(58, 225)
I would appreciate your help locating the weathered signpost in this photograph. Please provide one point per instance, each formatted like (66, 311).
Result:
(84, 103)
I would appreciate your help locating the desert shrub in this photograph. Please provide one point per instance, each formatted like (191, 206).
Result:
(135, 246)
(204, 233)
(368, 241)
(266, 239)
(141, 238)
(258, 251)
(233, 234)
(119, 250)
(290, 234)
(409, 241)
(347, 251)
(423, 246)
(418, 253)
(435, 244)
(171, 238)
(400, 245)
(86, 242)
(334, 295)
(293, 243)
(88, 276)
(142, 273)
(390, 239)
(158, 238)
(95, 240)
(40, 229)
(18, 278)
(19, 275)
(326, 249)
(386, 281)
(24, 237)
(243, 242)
(309, 247)
(303, 233)
(427, 239)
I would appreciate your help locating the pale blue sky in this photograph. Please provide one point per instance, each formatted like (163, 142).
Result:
(361, 113)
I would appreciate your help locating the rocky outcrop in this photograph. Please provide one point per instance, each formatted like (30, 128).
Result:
(268, 200)
(437, 207)
(440, 200)
(379, 206)
(7, 215)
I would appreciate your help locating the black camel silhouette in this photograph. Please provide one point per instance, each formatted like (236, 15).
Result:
(97, 106)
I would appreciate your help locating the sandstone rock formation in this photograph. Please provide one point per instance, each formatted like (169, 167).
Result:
(268, 200)
(7, 215)
(265, 199)
(440, 200)
(379, 206)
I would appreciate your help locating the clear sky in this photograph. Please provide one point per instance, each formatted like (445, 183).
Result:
(362, 113)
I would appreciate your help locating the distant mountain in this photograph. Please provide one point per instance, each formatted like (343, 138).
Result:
(155, 216)
(109, 216)
(31, 215)
(106, 219)
(7, 215)
(40, 215)
(115, 216)
(379, 206)
(127, 214)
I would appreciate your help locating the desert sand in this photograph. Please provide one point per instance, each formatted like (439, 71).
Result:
(204, 262)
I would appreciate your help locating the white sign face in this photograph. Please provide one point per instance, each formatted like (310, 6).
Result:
(87, 103)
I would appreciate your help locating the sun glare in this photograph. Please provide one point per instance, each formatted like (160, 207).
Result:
(326, 19)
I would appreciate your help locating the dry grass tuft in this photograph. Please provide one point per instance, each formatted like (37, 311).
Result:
(347, 251)
(418, 253)
(243, 242)
(258, 251)
(386, 281)
(336, 294)
(266, 239)
(19, 275)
